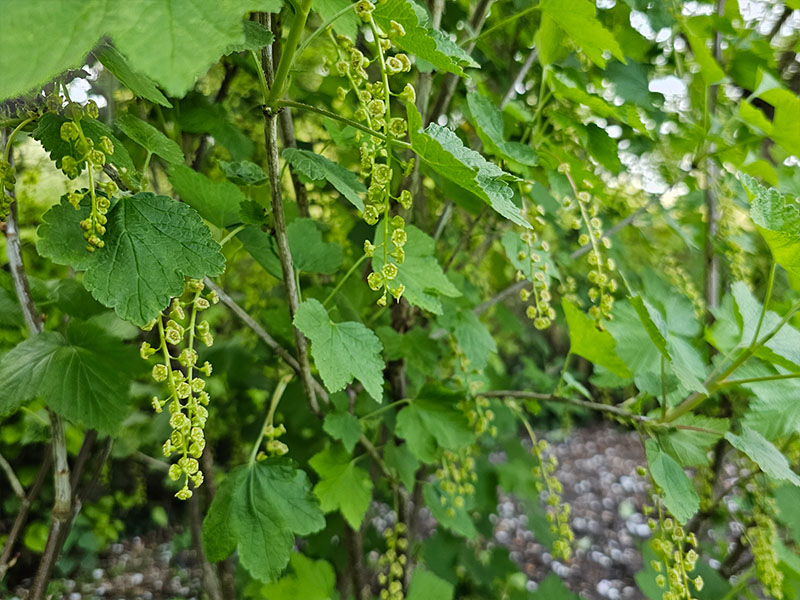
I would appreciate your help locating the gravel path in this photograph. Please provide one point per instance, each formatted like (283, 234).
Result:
(597, 467)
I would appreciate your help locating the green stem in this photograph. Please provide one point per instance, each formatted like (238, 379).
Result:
(10, 139)
(279, 83)
(383, 409)
(767, 298)
(758, 379)
(502, 23)
(321, 29)
(276, 398)
(663, 387)
(261, 77)
(351, 122)
(231, 235)
(343, 279)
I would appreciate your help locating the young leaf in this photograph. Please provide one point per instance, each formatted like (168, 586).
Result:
(419, 39)
(342, 351)
(219, 202)
(400, 460)
(347, 24)
(444, 152)
(343, 486)
(243, 172)
(778, 221)
(344, 427)
(153, 243)
(432, 421)
(256, 36)
(420, 272)
(774, 411)
(763, 452)
(689, 447)
(150, 138)
(580, 25)
(140, 85)
(458, 520)
(318, 168)
(83, 376)
(257, 511)
(588, 341)
(679, 496)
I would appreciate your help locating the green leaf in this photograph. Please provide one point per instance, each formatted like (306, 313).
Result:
(219, 202)
(258, 509)
(631, 83)
(152, 244)
(310, 580)
(243, 172)
(256, 36)
(588, 341)
(344, 427)
(419, 40)
(343, 486)
(432, 421)
(458, 519)
(318, 168)
(215, 121)
(347, 24)
(83, 376)
(25, 60)
(678, 493)
(577, 20)
(48, 132)
(489, 125)
(141, 85)
(425, 585)
(784, 347)
(774, 412)
(444, 152)
(309, 253)
(472, 335)
(778, 220)
(420, 272)
(762, 452)
(710, 70)
(150, 138)
(689, 447)
(400, 460)
(342, 351)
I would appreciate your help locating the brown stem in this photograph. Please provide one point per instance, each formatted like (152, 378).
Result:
(22, 514)
(354, 545)
(211, 583)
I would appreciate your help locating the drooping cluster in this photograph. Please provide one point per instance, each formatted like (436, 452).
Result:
(379, 166)
(393, 563)
(186, 398)
(84, 153)
(761, 538)
(457, 477)
(539, 310)
(677, 558)
(581, 213)
(8, 180)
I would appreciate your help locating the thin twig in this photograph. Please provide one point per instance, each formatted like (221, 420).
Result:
(19, 491)
(523, 71)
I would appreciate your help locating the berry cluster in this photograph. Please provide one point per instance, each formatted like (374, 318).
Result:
(540, 311)
(186, 397)
(675, 562)
(457, 478)
(378, 164)
(393, 563)
(83, 152)
(581, 213)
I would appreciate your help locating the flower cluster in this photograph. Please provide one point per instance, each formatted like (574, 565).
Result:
(186, 398)
(678, 277)
(457, 478)
(7, 181)
(675, 562)
(539, 311)
(393, 563)
(83, 152)
(761, 538)
(378, 164)
(579, 213)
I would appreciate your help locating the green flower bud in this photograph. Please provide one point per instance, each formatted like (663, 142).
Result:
(375, 281)
(408, 94)
(364, 10)
(405, 199)
(160, 372)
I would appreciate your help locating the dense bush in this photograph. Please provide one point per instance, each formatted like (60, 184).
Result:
(287, 263)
